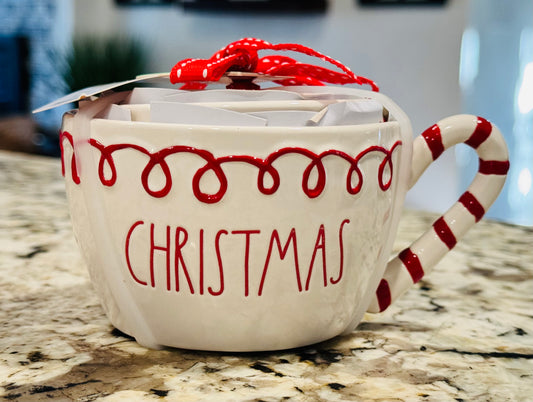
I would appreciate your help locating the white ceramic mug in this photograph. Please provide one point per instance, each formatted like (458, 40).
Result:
(258, 238)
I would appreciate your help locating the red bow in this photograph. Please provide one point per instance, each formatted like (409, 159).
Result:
(242, 56)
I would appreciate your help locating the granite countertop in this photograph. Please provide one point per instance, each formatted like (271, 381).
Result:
(464, 333)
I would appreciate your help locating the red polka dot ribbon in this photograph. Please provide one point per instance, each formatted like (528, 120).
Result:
(242, 56)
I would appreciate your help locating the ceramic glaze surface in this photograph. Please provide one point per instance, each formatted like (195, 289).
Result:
(268, 238)
(249, 237)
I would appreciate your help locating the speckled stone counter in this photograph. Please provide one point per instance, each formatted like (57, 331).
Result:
(464, 333)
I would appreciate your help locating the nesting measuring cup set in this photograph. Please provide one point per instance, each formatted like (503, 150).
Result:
(250, 219)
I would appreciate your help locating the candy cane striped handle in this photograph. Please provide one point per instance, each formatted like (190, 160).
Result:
(417, 260)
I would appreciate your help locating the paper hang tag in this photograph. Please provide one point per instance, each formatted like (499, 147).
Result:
(99, 90)
(156, 78)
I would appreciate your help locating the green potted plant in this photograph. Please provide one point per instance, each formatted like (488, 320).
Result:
(100, 60)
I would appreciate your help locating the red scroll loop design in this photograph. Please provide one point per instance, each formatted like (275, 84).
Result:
(242, 56)
(205, 197)
(108, 177)
(73, 165)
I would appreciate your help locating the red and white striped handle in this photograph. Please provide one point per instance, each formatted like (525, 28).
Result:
(418, 259)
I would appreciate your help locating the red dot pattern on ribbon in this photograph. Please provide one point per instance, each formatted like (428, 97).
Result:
(242, 56)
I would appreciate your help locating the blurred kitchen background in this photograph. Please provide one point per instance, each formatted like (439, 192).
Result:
(435, 58)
